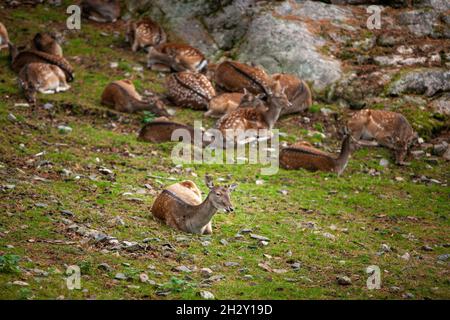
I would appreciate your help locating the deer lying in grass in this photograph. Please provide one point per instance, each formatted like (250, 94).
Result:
(22, 58)
(48, 43)
(257, 115)
(144, 34)
(4, 39)
(297, 91)
(176, 57)
(188, 89)
(180, 206)
(122, 96)
(101, 10)
(224, 103)
(383, 128)
(235, 77)
(41, 77)
(159, 131)
(303, 155)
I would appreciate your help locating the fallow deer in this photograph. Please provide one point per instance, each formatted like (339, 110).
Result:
(259, 116)
(4, 39)
(383, 128)
(303, 155)
(101, 10)
(176, 57)
(235, 77)
(180, 206)
(48, 43)
(41, 77)
(161, 131)
(188, 89)
(22, 58)
(224, 103)
(144, 34)
(297, 91)
(122, 96)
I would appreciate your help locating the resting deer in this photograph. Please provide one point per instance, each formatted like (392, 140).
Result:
(101, 10)
(4, 39)
(258, 116)
(122, 96)
(188, 89)
(303, 155)
(180, 206)
(177, 57)
(144, 34)
(41, 77)
(22, 58)
(159, 131)
(383, 128)
(235, 77)
(224, 103)
(48, 43)
(297, 91)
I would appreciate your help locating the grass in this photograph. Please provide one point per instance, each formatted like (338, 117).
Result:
(361, 211)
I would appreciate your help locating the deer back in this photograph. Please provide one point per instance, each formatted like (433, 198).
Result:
(307, 158)
(161, 131)
(297, 92)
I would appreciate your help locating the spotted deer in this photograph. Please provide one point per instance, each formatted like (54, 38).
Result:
(235, 77)
(177, 57)
(188, 89)
(101, 10)
(48, 43)
(4, 39)
(41, 77)
(159, 131)
(21, 58)
(383, 128)
(144, 34)
(180, 206)
(122, 96)
(260, 114)
(224, 103)
(304, 155)
(297, 91)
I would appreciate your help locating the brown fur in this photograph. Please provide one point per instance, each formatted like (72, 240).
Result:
(48, 43)
(303, 155)
(101, 10)
(388, 129)
(176, 57)
(187, 89)
(4, 39)
(297, 91)
(235, 77)
(122, 96)
(161, 131)
(224, 103)
(145, 33)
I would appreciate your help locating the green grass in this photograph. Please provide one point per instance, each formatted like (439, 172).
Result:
(360, 210)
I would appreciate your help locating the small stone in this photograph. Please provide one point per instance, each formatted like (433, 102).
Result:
(64, 129)
(105, 267)
(105, 171)
(206, 272)
(385, 247)
(264, 243)
(245, 231)
(406, 256)
(443, 257)
(67, 213)
(284, 192)
(12, 117)
(344, 280)
(231, 264)
(113, 65)
(395, 289)
(399, 179)
(20, 283)
(418, 153)
(258, 237)
(223, 242)
(259, 182)
(329, 235)
(296, 265)
(426, 248)
(120, 276)
(143, 277)
(182, 269)
(384, 162)
(408, 295)
(205, 243)
(206, 295)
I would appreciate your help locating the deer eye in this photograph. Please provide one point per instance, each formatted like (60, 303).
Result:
(218, 194)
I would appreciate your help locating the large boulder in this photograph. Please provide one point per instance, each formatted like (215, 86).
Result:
(426, 81)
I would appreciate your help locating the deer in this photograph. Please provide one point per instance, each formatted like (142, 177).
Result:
(4, 39)
(189, 89)
(257, 115)
(144, 34)
(21, 58)
(223, 103)
(159, 131)
(383, 128)
(177, 57)
(48, 43)
(297, 91)
(303, 155)
(180, 206)
(102, 11)
(122, 96)
(235, 76)
(41, 77)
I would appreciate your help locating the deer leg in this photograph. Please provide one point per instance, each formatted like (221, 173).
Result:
(208, 228)
(135, 46)
(366, 143)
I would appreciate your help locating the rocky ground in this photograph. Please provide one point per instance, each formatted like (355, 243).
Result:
(76, 186)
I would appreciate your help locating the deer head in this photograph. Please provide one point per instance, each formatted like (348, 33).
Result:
(220, 195)
(277, 100)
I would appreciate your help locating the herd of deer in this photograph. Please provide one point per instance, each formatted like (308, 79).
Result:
(249, 98)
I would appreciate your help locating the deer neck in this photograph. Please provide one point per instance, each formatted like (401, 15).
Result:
(201, 214)
(342, 160)
(271, 116)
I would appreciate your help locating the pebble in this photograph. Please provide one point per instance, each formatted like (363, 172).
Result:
(206, 272)
(105, 267)
(64, 129)
(182, 269)
(384, 162)
(426, 248)
(12, 117)
(385, 247)
(406, 256)
(206, 295)
(258, 237)
(408, 295)
(443, 257)
(223, 242)
(344, 280)
(120, 276)
(296, 265)
(230, 264)
(143, 277)
(21, 283)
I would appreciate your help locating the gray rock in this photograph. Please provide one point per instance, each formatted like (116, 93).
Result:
(258, 237)
(421, 23)
(120, 276)
(64, 129)
(230, 264)
(440, 149)
(105, 267)
(443, 257)
(442, 104)
(206, 295)
(344, 280)
(183, 269)
(427, 248)
(427, 81)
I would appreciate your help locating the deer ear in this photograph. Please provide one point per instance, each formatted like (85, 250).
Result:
(209, 182)
(245, 91)
(232, 187)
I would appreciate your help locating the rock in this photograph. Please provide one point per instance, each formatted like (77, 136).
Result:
(329, 235)
(259, 182)
(143, 277)
(296, 265)
(120, 276)
(395, 289)
(427, 81)
(105, 171)
(48, 106)
(426, 248)
(206, 295)
(12, 117)
(67, 213)
(408, 295)
(421, 23)
(245, 231)
(443, 257)
(440, 149)
(385, 247)
(406, 256)
(131, 245)
(183, 269)
(20, 283)
(231, 264)
(206, 272)
(258, 237)
(446, 155)
(417, 153)
(223, 242)
(384, 162)
(343, 280)
(442, 104)
(64, 129)
(105, 267)
(40, 205)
